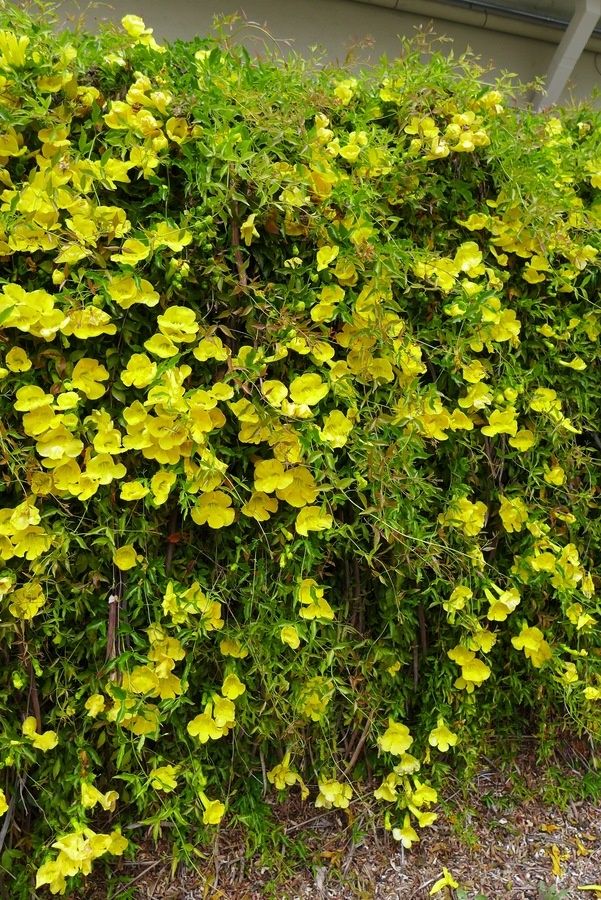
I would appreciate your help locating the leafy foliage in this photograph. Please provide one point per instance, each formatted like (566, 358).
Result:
(299, 456)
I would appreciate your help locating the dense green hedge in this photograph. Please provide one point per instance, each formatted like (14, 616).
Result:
(299, 465)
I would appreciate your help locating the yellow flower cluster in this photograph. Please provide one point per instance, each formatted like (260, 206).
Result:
(22, 536)
(44, 741)
(76, 853)
(282, 776)
(181, 604)
(473, 670)
(333, 793)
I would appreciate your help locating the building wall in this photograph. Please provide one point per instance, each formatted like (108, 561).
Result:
(336, 25)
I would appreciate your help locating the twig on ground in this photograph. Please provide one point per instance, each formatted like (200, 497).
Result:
(148, 869)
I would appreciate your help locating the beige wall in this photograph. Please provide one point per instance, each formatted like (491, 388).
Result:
(336, 25)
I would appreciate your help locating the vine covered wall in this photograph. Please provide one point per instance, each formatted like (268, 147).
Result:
(299, 444)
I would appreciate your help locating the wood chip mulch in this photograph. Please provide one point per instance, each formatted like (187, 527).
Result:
(496, 841)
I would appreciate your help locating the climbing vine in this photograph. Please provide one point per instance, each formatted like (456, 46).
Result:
(299, 453)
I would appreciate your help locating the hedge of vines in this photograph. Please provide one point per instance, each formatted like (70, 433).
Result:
(299, 453)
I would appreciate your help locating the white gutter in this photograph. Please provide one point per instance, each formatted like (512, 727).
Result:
(482, 19)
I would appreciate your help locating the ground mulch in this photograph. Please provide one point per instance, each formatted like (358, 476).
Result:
(501, 839)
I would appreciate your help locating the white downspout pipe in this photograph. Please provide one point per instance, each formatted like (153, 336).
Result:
(573, 42)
